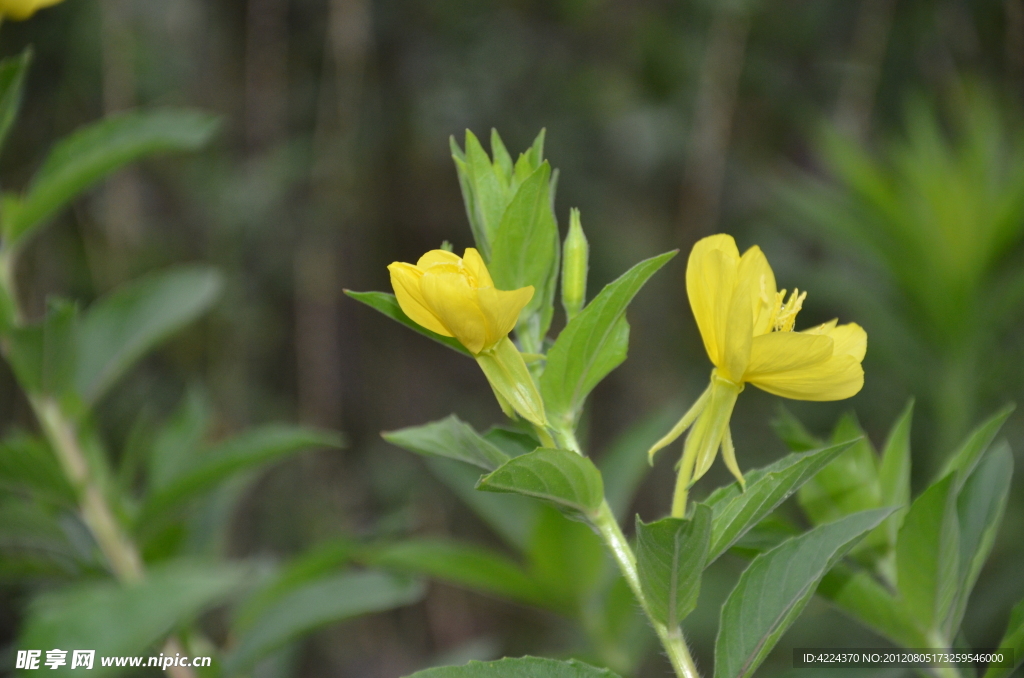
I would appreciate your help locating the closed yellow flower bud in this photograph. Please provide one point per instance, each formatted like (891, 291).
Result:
(23, 9)
(455, 297)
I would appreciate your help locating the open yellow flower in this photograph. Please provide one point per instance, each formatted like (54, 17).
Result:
(23, 9)
(455, 297)
(747, 328)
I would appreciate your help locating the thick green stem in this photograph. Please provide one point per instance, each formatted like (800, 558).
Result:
(671, 639)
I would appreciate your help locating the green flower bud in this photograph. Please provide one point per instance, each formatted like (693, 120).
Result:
(575, 256)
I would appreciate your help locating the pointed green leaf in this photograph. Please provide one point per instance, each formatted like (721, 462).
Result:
(123, 326)
(12, 86)
(388, 305)
(980, 508)
(860, 596)
(849, 484)
(894, 474)
(179, 442)
(464, 565)
(502, 160)
(89, 154)
(671, 554)
(490, 195)
(967, 457)
(927, 555)
(451, 438)
(317, 604)
(520, 667)
(592, 344)
(247, 450)
(569, 481)
(793, 432)
(1013, 638)
(776, 587)
(736, 511)
(127, 620)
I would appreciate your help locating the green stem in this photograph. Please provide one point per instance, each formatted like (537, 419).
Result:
(671, 639)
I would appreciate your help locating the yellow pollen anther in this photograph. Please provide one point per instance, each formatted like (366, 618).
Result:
(785, 317)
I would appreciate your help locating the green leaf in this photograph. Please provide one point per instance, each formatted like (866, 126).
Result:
(859, 595)
(592, 344)
(776, 587)
(967, 457)
(521, 667)
(464, 565)
(1013, 638)
(89, 154)
(388, 305)
(980, 508)
(849, 484)
(123, 326)
(126, 620)
(736, 511)
(28, 463)
(179, 442)
(894, 475)
(510, 516)
(568, 559)
(525, 248)
(451, 438)
(927, 554)
(34, 538)
(490, 196)
(671, 554)
(250, 449)
(43, 355)
(12, 86)
(317, 604)
(793, 432)
(565, 479)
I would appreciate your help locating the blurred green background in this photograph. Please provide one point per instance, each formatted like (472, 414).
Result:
(873, 148)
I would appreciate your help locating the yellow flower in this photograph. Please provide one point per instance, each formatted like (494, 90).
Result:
(456, 298)
(747, 328)
(23, 9)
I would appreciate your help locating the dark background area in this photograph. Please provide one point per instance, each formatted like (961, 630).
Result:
(668, 121)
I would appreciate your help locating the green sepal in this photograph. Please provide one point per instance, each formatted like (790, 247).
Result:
(508, 375)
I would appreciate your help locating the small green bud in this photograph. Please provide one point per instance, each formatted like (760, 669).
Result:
(575, 256)
(447, 246)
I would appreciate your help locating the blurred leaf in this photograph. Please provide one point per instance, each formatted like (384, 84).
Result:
(179, 441)
(322, 559)
(967, 457)
(12, 86)
(27, 464)
(764, 536)
(91, 153)
(521, 667)
(388, 305)
(451, 438)
(980, 508)
(624, 465)
(736, 511)
(42, 355)
(894, 475)
(123, 326)
(247, 450)
(927, 555)
(464, 565)
(671, 554)
(847, 485)
(511, 516)
(776, 587)
(317, 604)
(592, 344)
(567, 480)
(1013, 638)
(793, 432)
(568, 560)
(33, 542)
(118, 620)
(856, 593)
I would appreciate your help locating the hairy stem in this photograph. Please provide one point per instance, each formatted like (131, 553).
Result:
(671, 639)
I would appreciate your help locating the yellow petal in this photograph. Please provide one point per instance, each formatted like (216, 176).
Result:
(778, 352)
(839, 377)
(757, 281)
(475, 263)
(501, 310)
(437, 257)
(850, 339)
(405, 279)
(449, 295)
(23, 9)
(710, 281)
